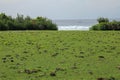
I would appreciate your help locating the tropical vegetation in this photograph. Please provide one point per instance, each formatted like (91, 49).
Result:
(105, 24)
(25, 23)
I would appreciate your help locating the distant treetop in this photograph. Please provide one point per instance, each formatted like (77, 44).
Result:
(101, 19)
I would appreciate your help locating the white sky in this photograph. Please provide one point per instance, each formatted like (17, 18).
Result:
(62, 9)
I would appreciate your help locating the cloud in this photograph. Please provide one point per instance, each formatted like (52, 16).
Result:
(104, 4)
(62, 8)
(8, 2)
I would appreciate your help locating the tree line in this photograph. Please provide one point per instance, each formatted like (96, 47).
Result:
(25, 23)
(105, 24)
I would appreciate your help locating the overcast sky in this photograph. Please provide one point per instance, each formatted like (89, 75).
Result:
(62, 9)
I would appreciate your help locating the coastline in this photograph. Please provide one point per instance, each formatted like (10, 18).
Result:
(86, 28)
(80, 24)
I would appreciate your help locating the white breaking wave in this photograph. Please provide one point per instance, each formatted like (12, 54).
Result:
(73, 27)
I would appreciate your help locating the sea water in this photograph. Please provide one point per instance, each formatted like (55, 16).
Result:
(81, 24)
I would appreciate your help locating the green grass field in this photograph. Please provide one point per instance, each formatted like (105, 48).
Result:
(60, 55)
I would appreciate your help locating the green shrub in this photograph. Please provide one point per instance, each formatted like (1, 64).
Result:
(104, 24)
(25, 23)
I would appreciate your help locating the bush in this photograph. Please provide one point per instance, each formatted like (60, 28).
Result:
(105, 25)
(25, 23)
(2, 26)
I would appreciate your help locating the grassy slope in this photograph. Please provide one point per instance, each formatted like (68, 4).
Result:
(74, 55)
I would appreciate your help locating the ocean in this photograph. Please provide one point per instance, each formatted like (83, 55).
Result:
(81, 24)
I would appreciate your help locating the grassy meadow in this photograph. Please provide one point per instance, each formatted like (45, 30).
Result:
(60, 55)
